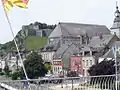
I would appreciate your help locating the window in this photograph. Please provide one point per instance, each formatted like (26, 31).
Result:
(54, 69)
(87, 53)
(83, 63)
(73, 63)
(86, 62)
(83, 72)
(90, 62)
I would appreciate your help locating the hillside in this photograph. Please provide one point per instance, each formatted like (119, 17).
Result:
(32, 36)
(35, 42)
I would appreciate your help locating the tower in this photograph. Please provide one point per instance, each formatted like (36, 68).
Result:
(115, 29)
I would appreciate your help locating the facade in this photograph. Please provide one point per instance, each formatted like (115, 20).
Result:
(83, 60)
(76, 64)
(47, 56)
(88, 61)
(57, 67)
(76, 33)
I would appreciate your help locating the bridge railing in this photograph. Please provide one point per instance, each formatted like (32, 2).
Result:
(104, 82)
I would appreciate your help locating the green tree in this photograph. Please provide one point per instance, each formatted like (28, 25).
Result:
(15, 75)
(48, 65)
(34, 66)
(103, 68)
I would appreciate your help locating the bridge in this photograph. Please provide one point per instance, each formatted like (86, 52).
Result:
(107, 82)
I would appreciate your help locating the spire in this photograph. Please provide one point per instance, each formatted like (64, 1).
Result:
(117, 13)
(116, 5)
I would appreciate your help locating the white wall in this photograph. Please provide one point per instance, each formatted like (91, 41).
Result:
(47, 56)
(88, 61)
(57, 69)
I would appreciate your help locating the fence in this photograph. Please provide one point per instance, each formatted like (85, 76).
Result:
(74, 83)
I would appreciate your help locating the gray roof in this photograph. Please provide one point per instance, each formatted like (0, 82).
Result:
(110, 53)
(117, 43)
(65, 51)
(96, 41)
(73, 29)
(51, 47)
(86, 48)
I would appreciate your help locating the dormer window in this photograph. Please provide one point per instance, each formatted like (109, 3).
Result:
(87, 53)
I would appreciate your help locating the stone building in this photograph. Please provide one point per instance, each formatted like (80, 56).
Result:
(73, 38)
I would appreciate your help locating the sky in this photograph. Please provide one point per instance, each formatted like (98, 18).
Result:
(53, 11)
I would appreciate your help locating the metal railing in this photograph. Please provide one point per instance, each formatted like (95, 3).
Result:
(68, 83)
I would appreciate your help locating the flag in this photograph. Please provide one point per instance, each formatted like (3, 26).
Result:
(7, 5)
(20, 3)
(116, 51)
(10, 3)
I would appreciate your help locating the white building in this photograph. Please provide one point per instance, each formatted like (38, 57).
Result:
(48, 56)
(57, 67)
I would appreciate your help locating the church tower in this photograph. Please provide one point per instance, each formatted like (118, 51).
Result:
(115, 29)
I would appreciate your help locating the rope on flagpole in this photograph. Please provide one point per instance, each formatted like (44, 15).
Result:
(116, 65)
(15, 41)
(115, 57)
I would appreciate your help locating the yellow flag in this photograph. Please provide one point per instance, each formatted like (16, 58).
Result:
(19, 3)
(7, 5)
(10, 3)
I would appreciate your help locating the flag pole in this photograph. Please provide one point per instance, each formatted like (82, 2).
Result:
(116, 65)
(115, 56)
(14, 40)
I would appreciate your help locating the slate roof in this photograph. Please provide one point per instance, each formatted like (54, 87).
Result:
(65, 51)
(73, 29)
(51, 47)
(87, 48)
(110, 53)
(96, 41)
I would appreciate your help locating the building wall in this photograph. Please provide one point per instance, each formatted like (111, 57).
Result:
(88, 61)
(76, 64)
(47, 56)
(81, 64)
(57, 67)
(39, 33)
(2, 64)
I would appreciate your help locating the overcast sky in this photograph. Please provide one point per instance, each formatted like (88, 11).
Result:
(54, 11)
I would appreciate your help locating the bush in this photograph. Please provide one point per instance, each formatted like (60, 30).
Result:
(15, 75)
(2, 73)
